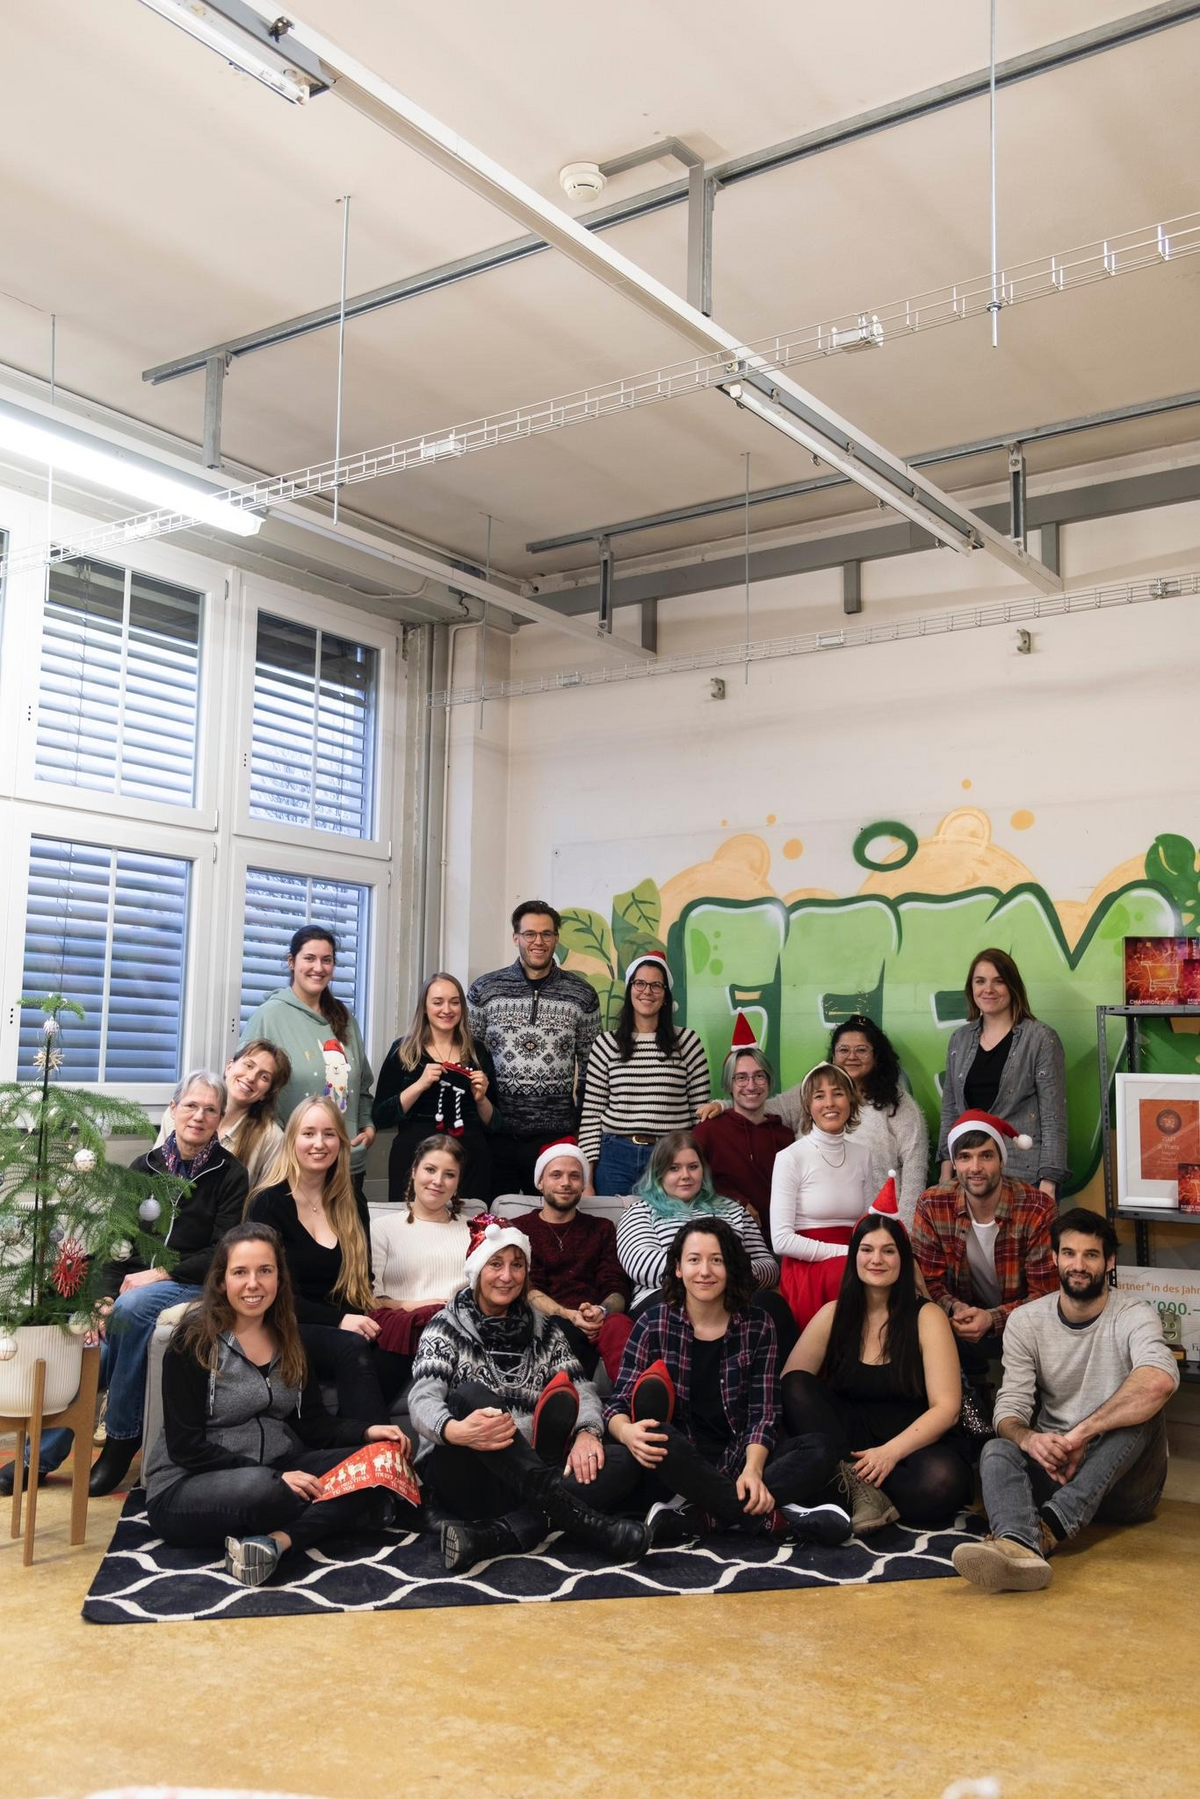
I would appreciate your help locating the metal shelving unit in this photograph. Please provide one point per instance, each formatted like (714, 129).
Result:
(1143, 1216)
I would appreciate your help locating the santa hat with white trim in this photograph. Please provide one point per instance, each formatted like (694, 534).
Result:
(497, 1234)
(743, 1035)
(550, 1152)
(1001, 1132)
(885, 1204)
(653, 958)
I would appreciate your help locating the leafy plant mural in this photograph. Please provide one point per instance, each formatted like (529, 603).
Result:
(797, 969)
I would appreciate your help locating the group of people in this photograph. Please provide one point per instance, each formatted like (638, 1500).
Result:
(797, 1331)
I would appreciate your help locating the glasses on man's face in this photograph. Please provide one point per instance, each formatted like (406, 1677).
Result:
(750, 1080)
(646, 987)
(537, 936)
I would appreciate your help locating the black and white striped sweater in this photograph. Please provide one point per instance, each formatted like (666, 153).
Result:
(650, 1093)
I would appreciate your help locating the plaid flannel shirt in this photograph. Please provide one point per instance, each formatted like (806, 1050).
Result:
(1024, 1263)
(749, 1382)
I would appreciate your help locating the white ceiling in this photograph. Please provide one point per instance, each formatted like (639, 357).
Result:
(158, 203)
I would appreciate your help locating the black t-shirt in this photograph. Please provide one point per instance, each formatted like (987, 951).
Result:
(710, 1426)
(983, 1077)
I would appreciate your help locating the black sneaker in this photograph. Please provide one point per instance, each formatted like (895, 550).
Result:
(828, 1525)
(673, 1524)
(8, 1479)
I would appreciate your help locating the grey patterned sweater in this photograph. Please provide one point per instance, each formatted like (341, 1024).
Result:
(539, 1034)
(450, 1354)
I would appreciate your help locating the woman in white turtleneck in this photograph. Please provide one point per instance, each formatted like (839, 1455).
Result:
(820, 1188)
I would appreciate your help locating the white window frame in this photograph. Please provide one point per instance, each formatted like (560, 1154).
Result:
(320, 615)
(160, 562)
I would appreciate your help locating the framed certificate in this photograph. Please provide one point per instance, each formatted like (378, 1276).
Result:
(1158, 1127)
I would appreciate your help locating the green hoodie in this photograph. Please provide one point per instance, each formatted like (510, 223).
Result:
(344, 1073)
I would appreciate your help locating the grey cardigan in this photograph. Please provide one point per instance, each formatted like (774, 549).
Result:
(1032, 1097)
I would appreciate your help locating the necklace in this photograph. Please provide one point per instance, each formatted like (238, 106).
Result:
(828, 1160)
(558, 1236)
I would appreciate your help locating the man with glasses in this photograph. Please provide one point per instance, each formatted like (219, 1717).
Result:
(539, 1022)
(741, 1144)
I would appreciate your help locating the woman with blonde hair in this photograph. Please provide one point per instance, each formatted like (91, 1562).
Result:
(820, 1188)
(325, 1230)
(436, 1080)
(254, 1078)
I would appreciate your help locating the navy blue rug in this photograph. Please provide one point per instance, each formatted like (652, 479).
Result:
(142, 1580)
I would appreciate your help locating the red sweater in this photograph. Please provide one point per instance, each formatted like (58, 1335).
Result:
(742, 1155)
(575, 1263)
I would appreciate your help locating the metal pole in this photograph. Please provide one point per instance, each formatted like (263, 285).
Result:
(606, 586)
(852, 586)
(483, 622)
(746, 575)
(1016, 493)
(701, 189)
(344, 202)
(994, 307)
(214, 393)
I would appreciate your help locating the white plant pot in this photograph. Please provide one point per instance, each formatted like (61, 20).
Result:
(63, 1356)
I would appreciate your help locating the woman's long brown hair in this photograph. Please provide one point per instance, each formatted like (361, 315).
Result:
(200, 1331)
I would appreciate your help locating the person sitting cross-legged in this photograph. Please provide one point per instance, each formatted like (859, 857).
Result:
(501, 1405)
(696, 1407)
(245, 1435)
(876, 1376)
(1079, 1415)
(575, 1276)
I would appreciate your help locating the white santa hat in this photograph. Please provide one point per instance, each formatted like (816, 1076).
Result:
(550, 1152)
(1001, 1133)
(652, 959)
(495, 1236)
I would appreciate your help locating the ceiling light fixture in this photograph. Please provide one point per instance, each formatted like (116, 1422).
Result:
(24, 435)
(887, 492)
(248, 43)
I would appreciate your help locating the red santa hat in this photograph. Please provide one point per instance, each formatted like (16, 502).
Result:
(550, 1152)
(743, 1034)
(653, 958)
(886, 1204)
(1001, 1133)
(496, 1234)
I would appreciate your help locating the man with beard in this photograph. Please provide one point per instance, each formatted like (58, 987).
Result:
(1091, 1365)
(539, 1022)
(574, 1274)
(983, 1243)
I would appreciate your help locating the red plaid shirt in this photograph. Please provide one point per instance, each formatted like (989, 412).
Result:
(1024, 1263)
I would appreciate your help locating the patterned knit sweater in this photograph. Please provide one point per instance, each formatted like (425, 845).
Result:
(450, 1353)
(650, 1093)
(539, 1034)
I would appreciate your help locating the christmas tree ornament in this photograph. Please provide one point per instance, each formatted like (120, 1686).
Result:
(49, 1060)
(57, 1233)
(149, 1210)
(84, 1160)
(50, 1026)
(8, 1348)
(64, 1183)
(79, 1323)
(70, 1268)
(121, 1250)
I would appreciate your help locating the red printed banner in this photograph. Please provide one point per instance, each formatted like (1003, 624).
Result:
(1162, 971)
(374, 1465)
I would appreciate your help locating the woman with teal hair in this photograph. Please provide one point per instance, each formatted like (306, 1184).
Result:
(677, 1186)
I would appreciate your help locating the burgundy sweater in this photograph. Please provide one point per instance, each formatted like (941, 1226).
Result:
(576, 1264)
(742, 1155)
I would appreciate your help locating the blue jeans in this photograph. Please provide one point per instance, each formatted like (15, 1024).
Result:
(123, 1358)
(1119, 1481)
(621, 1164)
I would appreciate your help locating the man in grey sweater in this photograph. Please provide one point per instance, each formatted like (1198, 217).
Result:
(1097, 1362)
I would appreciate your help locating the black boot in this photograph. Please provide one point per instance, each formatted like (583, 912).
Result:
(112, 1465)
(465, 1544)
(621, 1539)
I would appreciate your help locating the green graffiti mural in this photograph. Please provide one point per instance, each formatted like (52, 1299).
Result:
(797, 969)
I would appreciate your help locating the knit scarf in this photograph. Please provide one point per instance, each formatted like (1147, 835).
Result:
(506, 1336)
(189, 1170)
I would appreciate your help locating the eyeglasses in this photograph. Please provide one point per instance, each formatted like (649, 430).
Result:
(647, 987)
(537, 936)
(750, 1080)
(851, 1055)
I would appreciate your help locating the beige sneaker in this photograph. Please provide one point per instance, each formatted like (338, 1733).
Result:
(1002, 1565)
(869, 1507)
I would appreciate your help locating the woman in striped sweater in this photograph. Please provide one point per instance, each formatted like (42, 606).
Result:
(643, 1079)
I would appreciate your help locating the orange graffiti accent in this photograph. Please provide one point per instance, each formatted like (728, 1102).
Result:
(770, 818)
(1021, 821)
(966, 784)
(793, 849)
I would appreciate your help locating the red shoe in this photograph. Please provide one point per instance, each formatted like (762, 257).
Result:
(554, 1418)
(653, 1396)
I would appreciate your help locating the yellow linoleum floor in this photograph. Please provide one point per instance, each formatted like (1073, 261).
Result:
(1084, 1690)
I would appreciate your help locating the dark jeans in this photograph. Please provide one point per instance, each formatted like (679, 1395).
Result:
(621, 1164)
(513, 1162)
(798, 1470)
(367, 1379)
(1119, 1481)
(203, 1509)
(927, 1487)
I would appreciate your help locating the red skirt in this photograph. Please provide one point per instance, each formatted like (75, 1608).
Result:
(400, 1330)
(807, 1286)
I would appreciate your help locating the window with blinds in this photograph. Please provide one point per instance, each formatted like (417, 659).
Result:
(276, 906)
(119, 689)
(312, 758)
(109, 929)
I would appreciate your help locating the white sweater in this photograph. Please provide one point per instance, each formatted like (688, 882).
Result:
(898, 1140)
(418, 1262)
(808, 1192)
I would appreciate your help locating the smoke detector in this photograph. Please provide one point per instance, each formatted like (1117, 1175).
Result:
(582, 180)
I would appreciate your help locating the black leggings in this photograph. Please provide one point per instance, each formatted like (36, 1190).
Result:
(797, 1471)
(367, 1379)
(927, 1487)
(202, 1509)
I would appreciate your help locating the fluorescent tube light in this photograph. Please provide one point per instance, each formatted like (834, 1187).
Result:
(110, 470)
(849, 465)
(239, 36)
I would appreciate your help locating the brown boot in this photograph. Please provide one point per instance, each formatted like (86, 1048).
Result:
(869, 1507)
(1049, 1540)
(1002, 1565)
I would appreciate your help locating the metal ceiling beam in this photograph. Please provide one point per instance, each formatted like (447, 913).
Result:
(372, 98)
(790, 490)
(1131, 493)
(1114, 35)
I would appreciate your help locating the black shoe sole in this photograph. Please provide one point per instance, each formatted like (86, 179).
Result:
(553, 1426)
(652, 1401)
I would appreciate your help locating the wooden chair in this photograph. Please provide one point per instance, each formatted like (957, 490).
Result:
(79, 1417)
